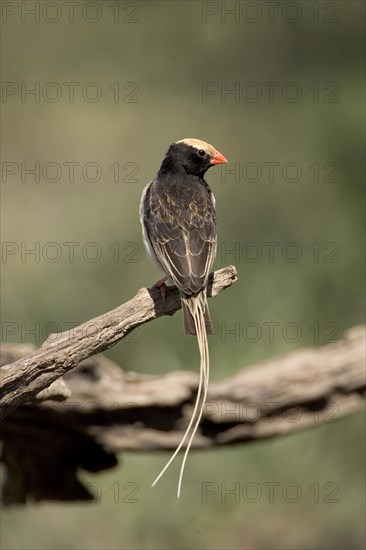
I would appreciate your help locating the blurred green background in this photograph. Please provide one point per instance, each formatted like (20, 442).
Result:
(162, 55)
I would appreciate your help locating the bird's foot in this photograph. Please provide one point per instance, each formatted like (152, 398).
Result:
(162, 286)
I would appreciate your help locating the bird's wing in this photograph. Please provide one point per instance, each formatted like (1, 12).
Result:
(182, 234)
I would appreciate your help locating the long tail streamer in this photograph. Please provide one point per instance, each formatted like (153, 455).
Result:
(197, 307)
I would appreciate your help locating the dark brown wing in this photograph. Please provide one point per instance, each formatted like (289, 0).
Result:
(180, 223)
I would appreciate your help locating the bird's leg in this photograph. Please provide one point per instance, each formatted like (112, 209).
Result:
(163, 288)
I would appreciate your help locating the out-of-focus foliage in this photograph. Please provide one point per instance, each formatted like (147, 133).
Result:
(289, 218)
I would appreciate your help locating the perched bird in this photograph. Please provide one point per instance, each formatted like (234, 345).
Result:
(177, 213)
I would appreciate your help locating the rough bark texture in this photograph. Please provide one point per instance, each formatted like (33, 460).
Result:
(23, 379)
(97, 410)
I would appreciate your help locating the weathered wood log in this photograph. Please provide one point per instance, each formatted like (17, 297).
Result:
(23, 379)
(108, 410)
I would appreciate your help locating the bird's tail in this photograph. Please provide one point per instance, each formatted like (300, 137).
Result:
(188, 319)
(198, 311)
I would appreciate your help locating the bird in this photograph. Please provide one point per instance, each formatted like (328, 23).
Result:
(178, 218)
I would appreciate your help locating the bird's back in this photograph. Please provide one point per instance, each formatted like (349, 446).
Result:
(180, 221)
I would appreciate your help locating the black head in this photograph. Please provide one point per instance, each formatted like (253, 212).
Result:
(193, 156)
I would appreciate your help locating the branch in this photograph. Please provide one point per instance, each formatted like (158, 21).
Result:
(61, 352)
(111, 410)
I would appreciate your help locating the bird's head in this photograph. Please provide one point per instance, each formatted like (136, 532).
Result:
(193, 155)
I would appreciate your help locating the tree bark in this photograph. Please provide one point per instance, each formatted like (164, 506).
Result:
(98, 410)
(23, 379)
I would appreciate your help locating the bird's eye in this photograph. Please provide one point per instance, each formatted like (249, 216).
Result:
(201, 153)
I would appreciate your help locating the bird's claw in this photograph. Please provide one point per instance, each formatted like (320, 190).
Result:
(162, 286)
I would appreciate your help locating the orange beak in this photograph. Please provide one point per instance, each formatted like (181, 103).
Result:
(218, 158)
